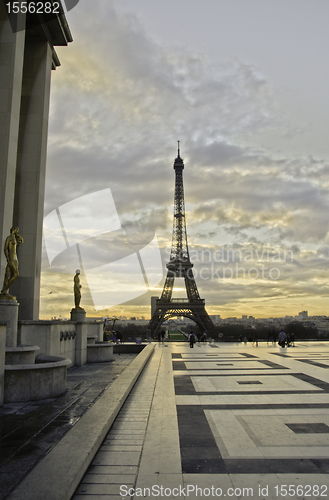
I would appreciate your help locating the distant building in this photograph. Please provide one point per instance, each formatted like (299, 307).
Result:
(216, 319)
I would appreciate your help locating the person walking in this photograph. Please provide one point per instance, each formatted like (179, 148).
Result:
(282, 339)
(191, 339)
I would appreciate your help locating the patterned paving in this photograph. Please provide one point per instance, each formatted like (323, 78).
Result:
(225, 415)
(245, 428)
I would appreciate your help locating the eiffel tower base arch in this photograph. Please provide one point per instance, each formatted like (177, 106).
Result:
(194, 310)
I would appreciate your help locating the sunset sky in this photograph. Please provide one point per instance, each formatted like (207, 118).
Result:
(243, 84)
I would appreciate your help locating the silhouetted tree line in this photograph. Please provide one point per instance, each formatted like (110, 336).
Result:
(263, 332)
(229, 332)
(234, 332)
(129, 332)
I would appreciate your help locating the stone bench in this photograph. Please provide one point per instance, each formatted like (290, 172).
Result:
(100, 352)
(43, 380)
(21, 355)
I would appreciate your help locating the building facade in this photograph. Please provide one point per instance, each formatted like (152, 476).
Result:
(27, 57)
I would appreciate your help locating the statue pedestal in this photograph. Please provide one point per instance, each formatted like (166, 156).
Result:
(9, 315)
(78, 315)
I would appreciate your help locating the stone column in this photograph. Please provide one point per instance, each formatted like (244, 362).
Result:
(30, 174)
(11, 72)
(9, 314)
(81, 344)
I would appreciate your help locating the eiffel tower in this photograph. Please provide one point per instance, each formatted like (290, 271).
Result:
(180, 266)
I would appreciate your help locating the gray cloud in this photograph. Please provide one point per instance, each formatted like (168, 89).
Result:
(120, 102)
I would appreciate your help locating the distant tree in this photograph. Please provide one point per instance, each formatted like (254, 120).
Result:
(301, 331)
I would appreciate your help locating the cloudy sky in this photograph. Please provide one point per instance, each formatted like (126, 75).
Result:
(244, 86)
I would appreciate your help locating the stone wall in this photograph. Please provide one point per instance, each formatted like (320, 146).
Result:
(2, 359)
(54, 338)
(66, 339)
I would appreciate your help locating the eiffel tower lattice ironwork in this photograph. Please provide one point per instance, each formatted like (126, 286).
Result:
(180, 266)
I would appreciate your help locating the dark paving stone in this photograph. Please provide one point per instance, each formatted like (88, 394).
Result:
(307, 428)
(178, 365)
(313, 381)
(184, 386)
(314, 363)
(237, 374)
(199, 451)
(276, 366)
(271, 466)
(200, 359)
(196, 442)
(321, 464)
(250, 393)
(249, 382)
(203, 466)
(176, 355)
(265, 406)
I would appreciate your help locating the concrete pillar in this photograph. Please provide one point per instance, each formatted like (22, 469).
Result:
(30, 174)
(11, 72)
(2, 360)
(9, 315)
(81, 344)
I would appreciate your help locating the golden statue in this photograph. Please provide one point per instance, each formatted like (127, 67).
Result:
(11, 272)
(77, 289)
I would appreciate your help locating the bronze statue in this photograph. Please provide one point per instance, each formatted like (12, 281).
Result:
(11, 272)
(77, 288)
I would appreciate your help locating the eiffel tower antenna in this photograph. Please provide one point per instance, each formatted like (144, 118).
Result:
(180, 266)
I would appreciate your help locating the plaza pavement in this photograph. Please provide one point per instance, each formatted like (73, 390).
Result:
(232, 420)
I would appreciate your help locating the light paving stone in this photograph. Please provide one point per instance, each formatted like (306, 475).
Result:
(117, 458)
(160, 485)
(132, 419)
(98, 489)
(97, 497)
(281, 452)
(127, 432)
(315, 439)
(116, 469)
(302, 479)
(122, 447)
(236, 440)
(200, 484)
(129, 426)
(109, 479)
(110, 441)
(315, 451)
(262, 486)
